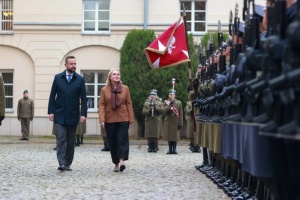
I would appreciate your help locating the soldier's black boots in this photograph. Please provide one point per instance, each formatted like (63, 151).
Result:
(105, 148)
(81, 141)
(77, 140)
(149, 147)
(205, 155)
(191, 146)
(196, 149)
(174, 148)
(154, 147)
(170, 147)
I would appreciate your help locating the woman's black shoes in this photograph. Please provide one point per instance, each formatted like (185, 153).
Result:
(122, 167)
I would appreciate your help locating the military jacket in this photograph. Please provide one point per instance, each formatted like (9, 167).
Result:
(171, 122)
(153, 119)
(189, 120)
(25, 108)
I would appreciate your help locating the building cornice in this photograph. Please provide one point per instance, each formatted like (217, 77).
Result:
(47, 23)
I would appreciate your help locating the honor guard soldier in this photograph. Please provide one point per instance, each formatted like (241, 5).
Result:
(104, 138)
(25, 114)
(152, 110)
(81, 130)
(161, 124)
(173, 121)
(190, 133)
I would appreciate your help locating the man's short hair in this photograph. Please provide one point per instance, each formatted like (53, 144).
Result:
(69, 57)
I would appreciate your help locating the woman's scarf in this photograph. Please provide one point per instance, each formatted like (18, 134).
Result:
(114, 97)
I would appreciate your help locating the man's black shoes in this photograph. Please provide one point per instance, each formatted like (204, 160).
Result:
(61, 168)
(64, 168)
(68, 168)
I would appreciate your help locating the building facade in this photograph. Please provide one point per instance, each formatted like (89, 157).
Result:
(36, 36)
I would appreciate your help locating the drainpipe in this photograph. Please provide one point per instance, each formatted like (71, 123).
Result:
(145, 14)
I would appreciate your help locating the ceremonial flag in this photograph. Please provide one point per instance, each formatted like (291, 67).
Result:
(169, 48)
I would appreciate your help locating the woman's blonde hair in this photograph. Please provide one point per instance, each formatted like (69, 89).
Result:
(109, 74)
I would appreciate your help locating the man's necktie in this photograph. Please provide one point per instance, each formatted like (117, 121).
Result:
(69, 78)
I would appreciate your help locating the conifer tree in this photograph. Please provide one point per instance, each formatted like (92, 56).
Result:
(140, 78)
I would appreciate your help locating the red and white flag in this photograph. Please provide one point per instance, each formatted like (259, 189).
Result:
(169, 48)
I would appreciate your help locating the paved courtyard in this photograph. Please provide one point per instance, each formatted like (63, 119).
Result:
(28, 170)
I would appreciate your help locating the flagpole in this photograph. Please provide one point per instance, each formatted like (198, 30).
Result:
(189, 63)
(187, 43)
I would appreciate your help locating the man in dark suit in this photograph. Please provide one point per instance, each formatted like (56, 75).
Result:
(67, 90)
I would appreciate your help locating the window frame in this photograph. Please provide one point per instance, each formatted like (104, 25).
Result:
(10, 14)
(96, 85)
(193, 11)
(96, 20)
(8, 110)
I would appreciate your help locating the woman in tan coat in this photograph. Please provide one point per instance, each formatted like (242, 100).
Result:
(116, 116)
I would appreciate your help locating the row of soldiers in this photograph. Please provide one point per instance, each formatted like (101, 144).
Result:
(248, 104)
(165, 119)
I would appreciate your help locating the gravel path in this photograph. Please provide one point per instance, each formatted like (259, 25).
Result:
(28, 170)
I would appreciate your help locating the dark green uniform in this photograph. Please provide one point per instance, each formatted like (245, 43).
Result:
(104, 138)
(81, 130)
(172, 123)
(25, 114)
(153, 121)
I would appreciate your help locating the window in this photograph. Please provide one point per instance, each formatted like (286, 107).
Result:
(195, 15)
(94, 81)
(96, 15)
(8, 79)
(6, 20)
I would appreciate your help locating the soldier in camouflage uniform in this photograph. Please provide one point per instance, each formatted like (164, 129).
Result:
(152, 110)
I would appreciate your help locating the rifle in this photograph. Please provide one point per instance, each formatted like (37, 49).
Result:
(222, 58)
(286, 85)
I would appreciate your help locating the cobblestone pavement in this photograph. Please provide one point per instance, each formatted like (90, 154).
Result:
(28, 170)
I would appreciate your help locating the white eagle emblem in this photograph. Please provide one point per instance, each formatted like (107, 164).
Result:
(171, 45)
